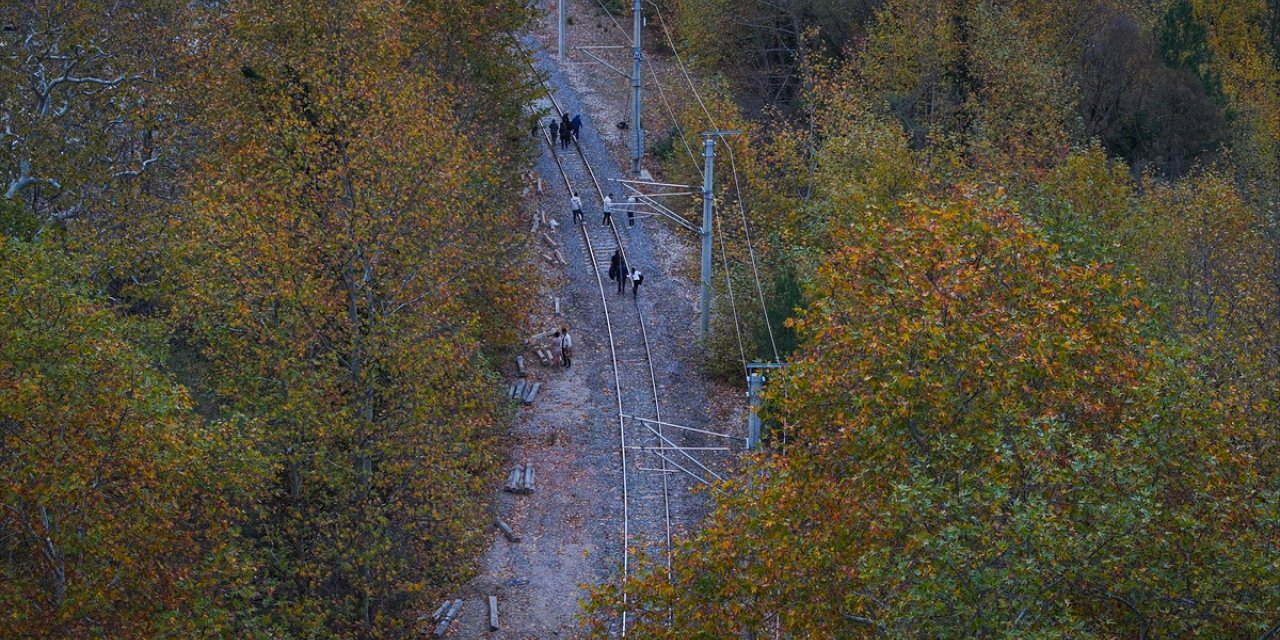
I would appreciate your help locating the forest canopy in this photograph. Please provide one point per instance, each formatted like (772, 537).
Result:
(1031, 248)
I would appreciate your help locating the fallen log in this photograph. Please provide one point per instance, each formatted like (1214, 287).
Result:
(539, 336)
(557, 305)
(514, 481)
(439, 614)
(527, 484)
(560, 257)
(546, 237)
(493, 613)
(506, 530)
(520, 366)
(443, 627)
(533, 393)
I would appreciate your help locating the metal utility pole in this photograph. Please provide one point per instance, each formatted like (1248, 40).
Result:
(755, 382)
(561, 4)
(637, 135)
(708, 201)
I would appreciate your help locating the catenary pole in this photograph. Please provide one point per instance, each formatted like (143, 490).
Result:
(708, 200)
(562, 19)
(637, 134)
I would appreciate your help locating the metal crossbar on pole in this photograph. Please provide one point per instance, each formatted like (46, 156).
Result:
(648, 199)
(677, 465)
(650, 183)
(587, 50)
(679, 426)
(681, 451)
(641, 447)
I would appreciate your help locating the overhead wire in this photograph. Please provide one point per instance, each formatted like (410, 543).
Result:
(733, 165)
(724, 259)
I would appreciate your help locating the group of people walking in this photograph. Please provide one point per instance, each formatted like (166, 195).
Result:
(620, 273)
(566, 130)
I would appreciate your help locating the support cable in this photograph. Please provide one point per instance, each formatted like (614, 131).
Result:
(733, 165)
(737, 323)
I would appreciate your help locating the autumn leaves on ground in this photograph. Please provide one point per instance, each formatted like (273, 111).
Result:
(258, 261)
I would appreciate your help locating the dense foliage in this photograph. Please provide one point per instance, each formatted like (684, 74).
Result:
(1033, 388)
(292, 208)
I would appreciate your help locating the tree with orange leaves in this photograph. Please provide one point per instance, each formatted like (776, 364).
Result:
(983, 440)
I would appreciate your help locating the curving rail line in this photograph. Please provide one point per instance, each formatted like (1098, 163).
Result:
(613, 352)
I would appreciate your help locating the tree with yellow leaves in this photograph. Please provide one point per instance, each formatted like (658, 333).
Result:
(348, 236)
(983, 440)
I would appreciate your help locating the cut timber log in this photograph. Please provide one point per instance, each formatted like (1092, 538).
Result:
(443, 627)
(520, 386)
(549, 258)
(536, 222)
(493, 613)
(514, 481)
(546, 237)
(527, 486)
(520, 366)
(506, 530)
(539, 336)
(533, 393)
(439, 614)
(511, 390)
(557, 305)
(539, 184)
(560, 257)
(544, 357)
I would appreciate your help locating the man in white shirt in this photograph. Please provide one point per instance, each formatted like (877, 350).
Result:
(566, 346)
(608, 210)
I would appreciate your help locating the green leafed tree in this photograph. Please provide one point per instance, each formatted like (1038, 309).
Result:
(349, 240)
(984, 440)
(118, 503)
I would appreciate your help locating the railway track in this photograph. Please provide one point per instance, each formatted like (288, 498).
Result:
(646, 479)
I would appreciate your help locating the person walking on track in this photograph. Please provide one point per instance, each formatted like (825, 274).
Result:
(575, 126)
(566, 347)
(608, 210)
(614, 262)
(618, 270)
(554, 128)
(631, 211)
(575, 203)
(566, 131)
(637, 279)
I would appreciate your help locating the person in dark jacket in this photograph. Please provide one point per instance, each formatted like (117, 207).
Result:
(566, 131)
(621, 273)
(555, 130)
(614, 262)
(575, 125)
